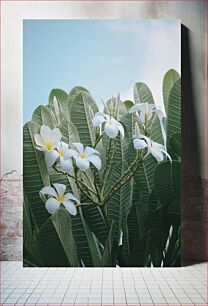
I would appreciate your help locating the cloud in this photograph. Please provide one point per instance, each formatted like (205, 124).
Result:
(161, 50)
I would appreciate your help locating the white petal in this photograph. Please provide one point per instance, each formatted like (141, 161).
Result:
(111, 130)
(52, 205)
(120, 128)
(39, 140)
(50, 157)
(95, 160)
(69, 153)
(157, 154)
(45, 132)
(64, 145)
(139, 144)
(41, 149)
(60, 188)
(134, 108)
(55, 137)
(49, 190)
(151, 106)
(70, 196)
(82, 163)
(79, 146)
(156, 146)
(98, 119)
(70, 207)
(160, 113)
(142, 117)
(66, 165)
(168, 156)
(90, 151)
(147, 139)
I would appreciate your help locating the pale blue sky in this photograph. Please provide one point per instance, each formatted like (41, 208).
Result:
(105, 56)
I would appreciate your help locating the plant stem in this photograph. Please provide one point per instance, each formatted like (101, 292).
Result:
(97, 140)
(108, 164)
(95, 173)
(104, 215)
(79, 184)
(86, 204)
(89, 180)
(127, 175)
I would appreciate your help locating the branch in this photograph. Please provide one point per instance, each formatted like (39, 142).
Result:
(127, 175)
(110, 156)
(79, 184)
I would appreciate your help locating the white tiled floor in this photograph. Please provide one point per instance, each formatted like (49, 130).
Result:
(109, 286)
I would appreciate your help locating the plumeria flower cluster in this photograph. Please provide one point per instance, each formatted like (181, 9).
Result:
(147, 111)
(141, 142)
(58, 197)
(49, 141)
(111, 126)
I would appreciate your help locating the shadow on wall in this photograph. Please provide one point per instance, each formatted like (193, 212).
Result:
(194, 189)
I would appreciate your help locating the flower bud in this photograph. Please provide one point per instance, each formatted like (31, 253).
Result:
(42, 196)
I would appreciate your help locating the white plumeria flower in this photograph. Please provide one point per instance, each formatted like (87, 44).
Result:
(112, 127)
(84, 157)
(58, 197)
(156, 149)
(145, 110)
(66, 164)
(47, 141)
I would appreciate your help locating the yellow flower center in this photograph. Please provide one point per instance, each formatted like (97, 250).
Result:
(83, 155)
(60, 198)
(110, 122)
(48, 146)
(61, 152)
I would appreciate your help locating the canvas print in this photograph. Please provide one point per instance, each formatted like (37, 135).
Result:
(102, 143)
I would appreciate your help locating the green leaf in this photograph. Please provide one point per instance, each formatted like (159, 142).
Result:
(69, 132)
(56, 242)
(42, 115)
(128, 104)
(62, 98)
(80, 117)
(95, 222)
(145, 179)
(129, 153)
(118, 205)
(175, 144)
(30, 250)
(115, 107)
(35, 174)
(93, 244)
(108, 259)
(169, 79)
(136, 219)
(75, 91)
(175, 207)
(174, 109)
(142, 93)
(167, 181)
(143, 248)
